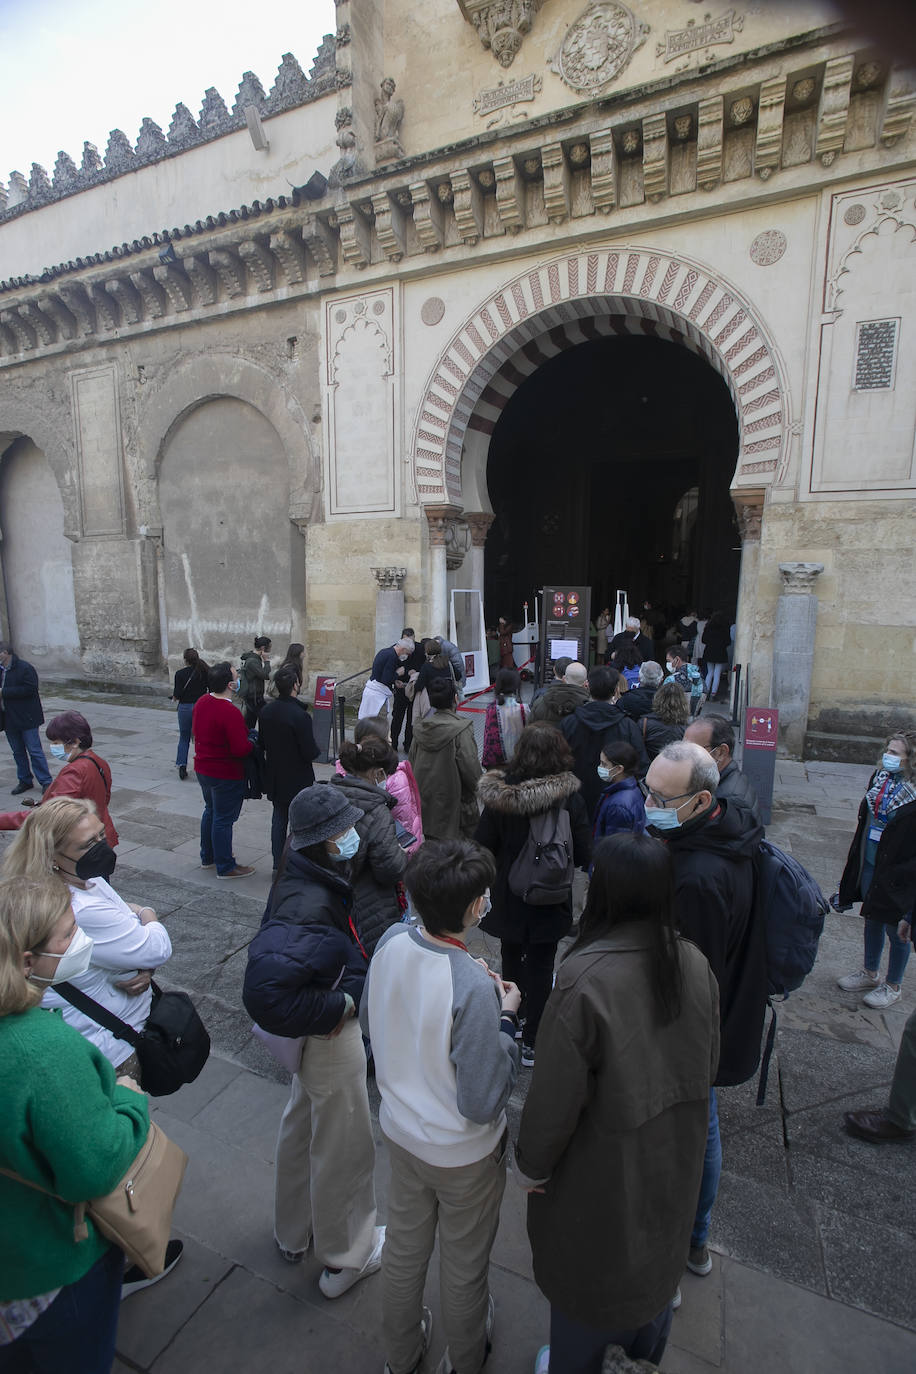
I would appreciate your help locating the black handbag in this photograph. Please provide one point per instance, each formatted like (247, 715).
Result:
(172, 1047)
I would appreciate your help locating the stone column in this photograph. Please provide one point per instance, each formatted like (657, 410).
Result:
(479, 522)
(389, 605)
(749, 508)
(438, 519)
(793, 652)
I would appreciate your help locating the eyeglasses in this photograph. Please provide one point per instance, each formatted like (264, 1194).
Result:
(657, 797)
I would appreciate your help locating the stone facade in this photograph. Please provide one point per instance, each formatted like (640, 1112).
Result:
(228, 422)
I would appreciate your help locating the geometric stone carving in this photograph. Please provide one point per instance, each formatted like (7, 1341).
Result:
(831, 121)
(291, 86)
(604, 170)
(202, 276)
(230, 272)
(655, 156)
(43, 327)
(107, 314)
(501, 24)
(119, 155)
(556, 182)
(250, 92)
(92, 160)
(290, 254)
(389, 226)
(176, 284)
(468, 206)
(510, 194)
(319, 241)
(259, 263)
(78, 303)
(598, 46)
(40, 188)
(709, 142)
(898, 115)
(183, 129)
(151, 142)
(66, 175)
(354, 236)
(768, 247)
(25, 335)
(63, 318)
(214, 117)
(151, 294)
(769, 126)
(427, 216)
(128, 298)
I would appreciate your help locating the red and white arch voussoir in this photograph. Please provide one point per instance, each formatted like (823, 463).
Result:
(582, 296)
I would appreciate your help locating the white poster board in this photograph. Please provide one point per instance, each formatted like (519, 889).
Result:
(467, 630)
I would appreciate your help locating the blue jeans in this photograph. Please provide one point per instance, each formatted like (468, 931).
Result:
(76, 1334)
(713, 675)
(578, 1349)
(875, 932)
(185, 712)
(223, 799)
(712, 1170)
(29, 755)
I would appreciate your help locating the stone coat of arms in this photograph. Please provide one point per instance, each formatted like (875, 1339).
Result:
(598, 46)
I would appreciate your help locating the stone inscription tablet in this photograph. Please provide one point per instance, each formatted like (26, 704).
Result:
(876, 355)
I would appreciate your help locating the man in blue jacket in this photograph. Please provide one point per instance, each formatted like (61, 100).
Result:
(22, 715)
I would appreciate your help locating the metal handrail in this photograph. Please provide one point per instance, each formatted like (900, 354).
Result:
(339, 703)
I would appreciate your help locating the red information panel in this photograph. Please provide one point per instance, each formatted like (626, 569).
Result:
(761, 727)
(324, 693)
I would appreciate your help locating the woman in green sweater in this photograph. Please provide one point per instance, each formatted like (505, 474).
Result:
(67, 1126)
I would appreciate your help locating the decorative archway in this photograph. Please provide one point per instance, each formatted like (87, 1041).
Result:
(572, 299)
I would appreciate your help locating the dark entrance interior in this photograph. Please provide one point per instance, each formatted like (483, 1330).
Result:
(611, 466)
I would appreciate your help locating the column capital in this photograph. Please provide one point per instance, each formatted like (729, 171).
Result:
(389, 579)
(749, 510)
(439, 518)
(799, 578)
(479, 523)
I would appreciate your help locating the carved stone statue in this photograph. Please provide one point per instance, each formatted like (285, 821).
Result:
(388, 115)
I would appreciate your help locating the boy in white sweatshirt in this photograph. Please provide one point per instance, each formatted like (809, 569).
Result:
(442, 1028)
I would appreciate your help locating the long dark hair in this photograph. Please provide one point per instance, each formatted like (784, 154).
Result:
(193, 659)
(633, 880)
(507, 683)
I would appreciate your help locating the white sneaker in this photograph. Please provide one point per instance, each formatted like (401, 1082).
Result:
(883, 996)
(334, 1285)
(858, 982)
(426, 1328)
(445, 1365)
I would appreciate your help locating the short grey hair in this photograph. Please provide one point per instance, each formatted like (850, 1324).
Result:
(632, 622)
(650, 674)
(704, 775)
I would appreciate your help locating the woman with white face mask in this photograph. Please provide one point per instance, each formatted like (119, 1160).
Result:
(66, 839)
(881, 871)
(66, 1128)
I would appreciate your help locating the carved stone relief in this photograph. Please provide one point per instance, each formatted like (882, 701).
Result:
(598, 46)
(501, 102)
(768, 247)
(389, 112)
(699, 37)
(501, 24)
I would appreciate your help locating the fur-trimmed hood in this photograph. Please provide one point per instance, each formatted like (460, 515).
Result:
(528, 798)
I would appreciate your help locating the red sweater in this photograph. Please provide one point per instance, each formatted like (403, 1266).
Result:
(78, 778)
(220, 738)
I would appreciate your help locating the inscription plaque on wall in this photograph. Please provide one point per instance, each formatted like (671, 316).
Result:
(97, 418)
(876, 354)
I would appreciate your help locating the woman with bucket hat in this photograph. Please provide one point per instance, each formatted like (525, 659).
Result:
(305, 975)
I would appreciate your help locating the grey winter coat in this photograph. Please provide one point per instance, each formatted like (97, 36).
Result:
(444, 759)
(379, 862)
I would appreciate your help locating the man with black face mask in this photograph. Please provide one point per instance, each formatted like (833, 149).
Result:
(712, 842)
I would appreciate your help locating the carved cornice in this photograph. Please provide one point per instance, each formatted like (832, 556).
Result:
(293, 246)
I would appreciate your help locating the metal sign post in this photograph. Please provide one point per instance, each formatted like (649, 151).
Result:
(564, 627)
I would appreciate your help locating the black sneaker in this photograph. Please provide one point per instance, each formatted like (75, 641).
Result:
(21, 787)
(182, 772)
(527, 1056)
(134, 1278)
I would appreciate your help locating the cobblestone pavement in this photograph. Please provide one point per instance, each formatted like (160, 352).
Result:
(813, 1232)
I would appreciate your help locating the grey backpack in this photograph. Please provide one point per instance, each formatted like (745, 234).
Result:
(542, 873)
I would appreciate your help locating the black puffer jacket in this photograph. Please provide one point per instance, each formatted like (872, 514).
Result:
(734, 786)
(893, 887)
(305, 955)
(588, 729)
(503, 829)
(714, 904)
(378, 863)
(637, 702)
(658, 733)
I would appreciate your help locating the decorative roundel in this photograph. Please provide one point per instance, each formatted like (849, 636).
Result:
(768, 247)
(340, 316)
(854, 214)
(432, 310)
(378, 307)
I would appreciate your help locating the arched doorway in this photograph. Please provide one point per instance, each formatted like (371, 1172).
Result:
(610, 466)
(36, 561)
(226, 532)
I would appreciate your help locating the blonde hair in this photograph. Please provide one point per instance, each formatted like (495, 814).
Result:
(44, 832)
(908, 738)
(30, 908)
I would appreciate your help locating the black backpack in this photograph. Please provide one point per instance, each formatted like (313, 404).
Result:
(542, 872)
(792, 908)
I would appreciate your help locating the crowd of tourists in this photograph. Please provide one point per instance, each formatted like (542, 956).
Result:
(362, 965)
